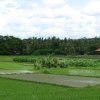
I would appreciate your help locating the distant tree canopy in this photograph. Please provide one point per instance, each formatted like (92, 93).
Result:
(10, 45)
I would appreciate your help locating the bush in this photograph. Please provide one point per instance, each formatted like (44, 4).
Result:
(22, 59)
(46, 71)
(54, 62)
(51, 62)
(80, 63)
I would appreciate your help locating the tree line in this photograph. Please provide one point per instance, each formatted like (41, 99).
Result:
(10, 45)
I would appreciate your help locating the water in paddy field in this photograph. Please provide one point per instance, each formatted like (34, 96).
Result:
(15, 71)
(85, 72)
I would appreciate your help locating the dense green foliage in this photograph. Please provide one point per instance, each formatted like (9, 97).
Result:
(22, 90)
(10, 45)
(47, 62)
(24, 59)
(83, 62)
(57, 62)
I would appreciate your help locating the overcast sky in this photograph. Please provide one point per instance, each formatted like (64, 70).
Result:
(47, 18)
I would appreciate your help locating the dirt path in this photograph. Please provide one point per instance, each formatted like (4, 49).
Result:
(73, 81)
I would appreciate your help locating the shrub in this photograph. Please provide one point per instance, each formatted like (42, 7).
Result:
(46, 71)
(80, 63)
(51, 62)
(22, 59)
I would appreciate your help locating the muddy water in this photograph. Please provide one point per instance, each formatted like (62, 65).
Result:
(72, 81)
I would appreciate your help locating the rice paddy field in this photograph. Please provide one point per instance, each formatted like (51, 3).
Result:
(6, 62)
(19, 89)
(23, 90)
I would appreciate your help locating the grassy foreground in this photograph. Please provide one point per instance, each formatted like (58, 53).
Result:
(22, 90)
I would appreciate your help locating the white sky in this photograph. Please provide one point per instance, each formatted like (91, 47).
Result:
(47, 18)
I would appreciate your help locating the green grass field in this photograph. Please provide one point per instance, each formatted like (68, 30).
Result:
(73, 71)
(22, 90)
(6, 62)
(25, 90)
(15, 66)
